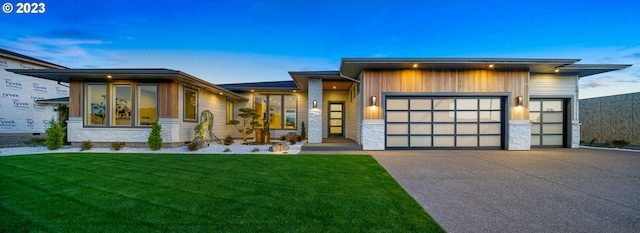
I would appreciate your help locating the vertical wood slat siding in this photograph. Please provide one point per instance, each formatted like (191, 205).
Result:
(75, 99)
(424, 81)
(168, 95)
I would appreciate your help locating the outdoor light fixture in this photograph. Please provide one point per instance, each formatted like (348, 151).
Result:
(415, 65)
(556, 70)
(315, 104)
(519, 101)
(373, 101)
(490, 66)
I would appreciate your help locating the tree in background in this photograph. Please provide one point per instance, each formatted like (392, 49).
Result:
(249, 122)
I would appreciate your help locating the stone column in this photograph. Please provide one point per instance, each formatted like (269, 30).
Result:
(314, 128)
(519, 135)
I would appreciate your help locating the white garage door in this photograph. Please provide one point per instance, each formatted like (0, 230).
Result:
(443, 122)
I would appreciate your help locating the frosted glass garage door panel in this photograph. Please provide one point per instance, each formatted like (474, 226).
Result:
(420, 104)
(490, 104)
(534, 116)
(552, 117)
(420, 141)
(444, 116)
(535, 129)
(552, 140)
(397, 129)
(490, 140)
(420, 129)
(443, 141)
(467, 128)
(397, 116)
(467, 141)
(488, 128)
(397, 141)
(534, 105)
(551, 129)
(443, 129)
(467, 116)
(444, 104)
(467, 104)
(489, 116)
(535, 140)
(420, 116)
(552, 105)
(395, 104)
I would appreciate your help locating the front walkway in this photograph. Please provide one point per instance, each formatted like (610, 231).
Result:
(543, 190)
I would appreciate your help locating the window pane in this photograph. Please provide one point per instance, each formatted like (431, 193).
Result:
(275, 111)
(336, 122)
(467, 128)
(552, 140)
(397, 117)
(443, 104)
(229, 110)
(95, 110)
(466, 104)
(490, 104)
(397, 129)
(420, 116)
(420, 128)
(443, 128)
(489, 140)
(190, 105)
(121, 105)
(534, 105)
(467, 116)
(335, 130)
(551, 129)
(420, 104)
(147, 104)
(534, 116)
(552, 117)
(420, 141)
(336, 107)
(443, 141)
(395, 141)
(290, 104)
(397, 104)
(335, 115)
(489, 116)
(535, 140)
(552, 106)
(467, 141)
(489, 128)
(260, 105)
(535, 128)
(446, 116)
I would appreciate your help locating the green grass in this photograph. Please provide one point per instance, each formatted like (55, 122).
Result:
(94, 192)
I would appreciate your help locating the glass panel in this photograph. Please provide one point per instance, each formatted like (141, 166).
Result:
(467, 129)
(395, 141)
(420, 104)
(534, 116)
(443, 104)
(420, 129)
(190, 105)
(336, 107)
(490, 104)
(443, 128)
(335, 115)
(488, 128)
(446, 116)
(397, 129)
(147, 103)
(335, 130)
(552, 140)
(121, 105)
(552, 117)
(534, 105)
(96, 109)
(420, 141)
(467, 141)
(535, 140)
(275, 111)
(397, 116)
(467, 104)
(490, 140)
(335, 122)
(260, 105)
(552, 106)
(489, 116)
(551, 129)
(290, 111)
(420, 116)
(443, 141)
(467, 116)
(535, 128)
(397, 104)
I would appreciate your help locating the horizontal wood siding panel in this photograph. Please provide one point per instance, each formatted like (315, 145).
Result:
(168, 95)
(75, 99)
(424, 81)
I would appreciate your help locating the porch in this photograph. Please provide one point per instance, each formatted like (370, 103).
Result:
(332, 144)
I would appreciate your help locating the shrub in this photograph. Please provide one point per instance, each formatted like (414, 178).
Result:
(155, 139)
(283, 138)
(620, 143)
(228, 140)
(303, 132)
(292, 141)
(36, 141)
(117, 145)
(227, 150)
(193, 146)
(55, 135)
(86, 145)
(255, 149)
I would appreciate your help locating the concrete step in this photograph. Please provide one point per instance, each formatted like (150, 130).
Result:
(331, 147)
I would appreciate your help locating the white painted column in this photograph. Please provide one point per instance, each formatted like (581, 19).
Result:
(315, 114)
(519, 135)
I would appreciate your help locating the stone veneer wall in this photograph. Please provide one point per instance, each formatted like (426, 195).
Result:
(611, 118)
(134, 137)
(373, 135)
(314, 126)
(519, 135)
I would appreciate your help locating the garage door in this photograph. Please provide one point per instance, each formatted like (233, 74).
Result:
(444, 122)
(547, 118)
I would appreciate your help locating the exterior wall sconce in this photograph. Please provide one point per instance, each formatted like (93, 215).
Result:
(374, 101)
(519, 101)
(315, 104)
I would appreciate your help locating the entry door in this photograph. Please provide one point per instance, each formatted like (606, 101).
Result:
(336, 120)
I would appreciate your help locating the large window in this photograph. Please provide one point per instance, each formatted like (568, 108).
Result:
(190, 105)
(120, 104)
(229, 110)
(278, 110)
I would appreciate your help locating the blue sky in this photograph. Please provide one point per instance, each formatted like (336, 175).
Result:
(251, 41)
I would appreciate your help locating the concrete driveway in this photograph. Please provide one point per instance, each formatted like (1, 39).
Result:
(543, 190)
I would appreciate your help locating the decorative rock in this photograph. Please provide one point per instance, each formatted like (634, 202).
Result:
(280, 147)
(290, 136)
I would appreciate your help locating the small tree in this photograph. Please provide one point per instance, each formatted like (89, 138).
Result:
(55, 135)
(303, 131)
(249, 122)
(155, 139)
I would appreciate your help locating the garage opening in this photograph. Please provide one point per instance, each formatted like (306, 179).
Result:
(444, 122)
(549, 119)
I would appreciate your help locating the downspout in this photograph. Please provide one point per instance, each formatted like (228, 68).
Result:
(349, 78)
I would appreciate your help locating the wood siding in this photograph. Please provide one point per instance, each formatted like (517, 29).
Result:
(75, 99)
(375, 83)
(168, 95)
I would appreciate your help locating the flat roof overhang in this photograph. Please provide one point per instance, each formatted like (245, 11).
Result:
(143, 75)
(329, 78)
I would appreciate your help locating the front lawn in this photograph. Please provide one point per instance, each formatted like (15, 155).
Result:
(94, 192)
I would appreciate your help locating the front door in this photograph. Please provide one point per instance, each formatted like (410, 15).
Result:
(336, 119)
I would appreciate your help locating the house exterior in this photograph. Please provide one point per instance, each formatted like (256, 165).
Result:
(380, 103)
(26, 102)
